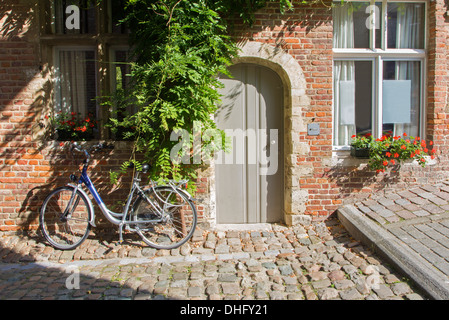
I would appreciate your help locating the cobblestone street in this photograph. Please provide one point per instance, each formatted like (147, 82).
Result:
(320, 262)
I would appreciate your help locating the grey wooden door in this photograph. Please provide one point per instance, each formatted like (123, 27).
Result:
(249, 180)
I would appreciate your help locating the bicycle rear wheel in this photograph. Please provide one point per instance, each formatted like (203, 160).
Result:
(171, 230)
(65, 228)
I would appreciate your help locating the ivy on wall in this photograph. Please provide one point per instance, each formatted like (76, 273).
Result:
(179, 49)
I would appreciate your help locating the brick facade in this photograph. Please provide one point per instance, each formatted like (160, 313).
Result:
(30, 166)
(334, 178)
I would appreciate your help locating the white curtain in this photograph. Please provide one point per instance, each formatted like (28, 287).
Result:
(409, 34)
(71, 95)
(343, 26)
(344, 77)
(409, 27)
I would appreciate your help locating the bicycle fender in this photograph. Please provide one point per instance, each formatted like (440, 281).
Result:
(89, 203)
(188, 195)
(185, 193)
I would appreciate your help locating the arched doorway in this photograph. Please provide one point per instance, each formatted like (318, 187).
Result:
(249, 180)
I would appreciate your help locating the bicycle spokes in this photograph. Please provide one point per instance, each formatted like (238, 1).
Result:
(65, 218)
(177, 218)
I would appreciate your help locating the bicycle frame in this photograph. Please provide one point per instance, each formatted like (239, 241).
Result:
(162, 214)
(119, 219)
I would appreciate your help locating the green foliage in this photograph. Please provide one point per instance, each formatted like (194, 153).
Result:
(392, 150)
(180, 48)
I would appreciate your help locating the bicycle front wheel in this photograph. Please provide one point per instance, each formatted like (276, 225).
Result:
(65, 221)
(166, 219)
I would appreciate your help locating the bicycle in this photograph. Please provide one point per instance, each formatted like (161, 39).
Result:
(164, 216)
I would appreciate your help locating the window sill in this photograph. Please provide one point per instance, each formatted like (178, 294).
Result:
(120, 143)
(343, 158)
(357, 52)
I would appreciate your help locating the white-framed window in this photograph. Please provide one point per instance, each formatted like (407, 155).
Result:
(379, 68)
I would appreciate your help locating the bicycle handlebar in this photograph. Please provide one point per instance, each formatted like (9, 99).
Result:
(98, 146)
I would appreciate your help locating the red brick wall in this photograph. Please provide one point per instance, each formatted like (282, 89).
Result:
(306, 34)
(18, 62)
(29, 168)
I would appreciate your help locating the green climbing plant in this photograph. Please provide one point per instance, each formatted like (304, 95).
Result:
(179, 49)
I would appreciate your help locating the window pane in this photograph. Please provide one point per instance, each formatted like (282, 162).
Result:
(75, 83)
(121, 82)
(351, 21)
(353, 89)
(401, 97)
(87, 17)
(406, 25)
(122, 69)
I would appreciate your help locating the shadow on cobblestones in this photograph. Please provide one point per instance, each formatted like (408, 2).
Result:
(317, 262)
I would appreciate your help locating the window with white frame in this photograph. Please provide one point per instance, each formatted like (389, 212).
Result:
(379, 63)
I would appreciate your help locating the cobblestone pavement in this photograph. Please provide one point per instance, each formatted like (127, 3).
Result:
(317, 262)
(419, 201)
(419, 217)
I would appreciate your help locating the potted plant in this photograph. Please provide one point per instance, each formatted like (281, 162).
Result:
(360, 145)
(69, 126)
(392, 150)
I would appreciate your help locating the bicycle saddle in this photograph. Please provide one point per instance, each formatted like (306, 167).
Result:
(145, 168)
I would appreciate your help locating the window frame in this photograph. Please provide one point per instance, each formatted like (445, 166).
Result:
(101, 42)
(378, 56)
(112, 70)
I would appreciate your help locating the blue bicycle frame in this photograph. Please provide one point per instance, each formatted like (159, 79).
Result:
(113, 217)
(119, 219)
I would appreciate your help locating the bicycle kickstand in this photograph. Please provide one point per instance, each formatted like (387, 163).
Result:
(120, 229)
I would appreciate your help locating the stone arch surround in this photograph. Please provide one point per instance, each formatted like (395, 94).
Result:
(295, 100)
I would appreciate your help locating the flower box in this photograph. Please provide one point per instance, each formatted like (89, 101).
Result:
(391, 150)
(70, 127)
(63, 135)
(68, 135)
(361, 153)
